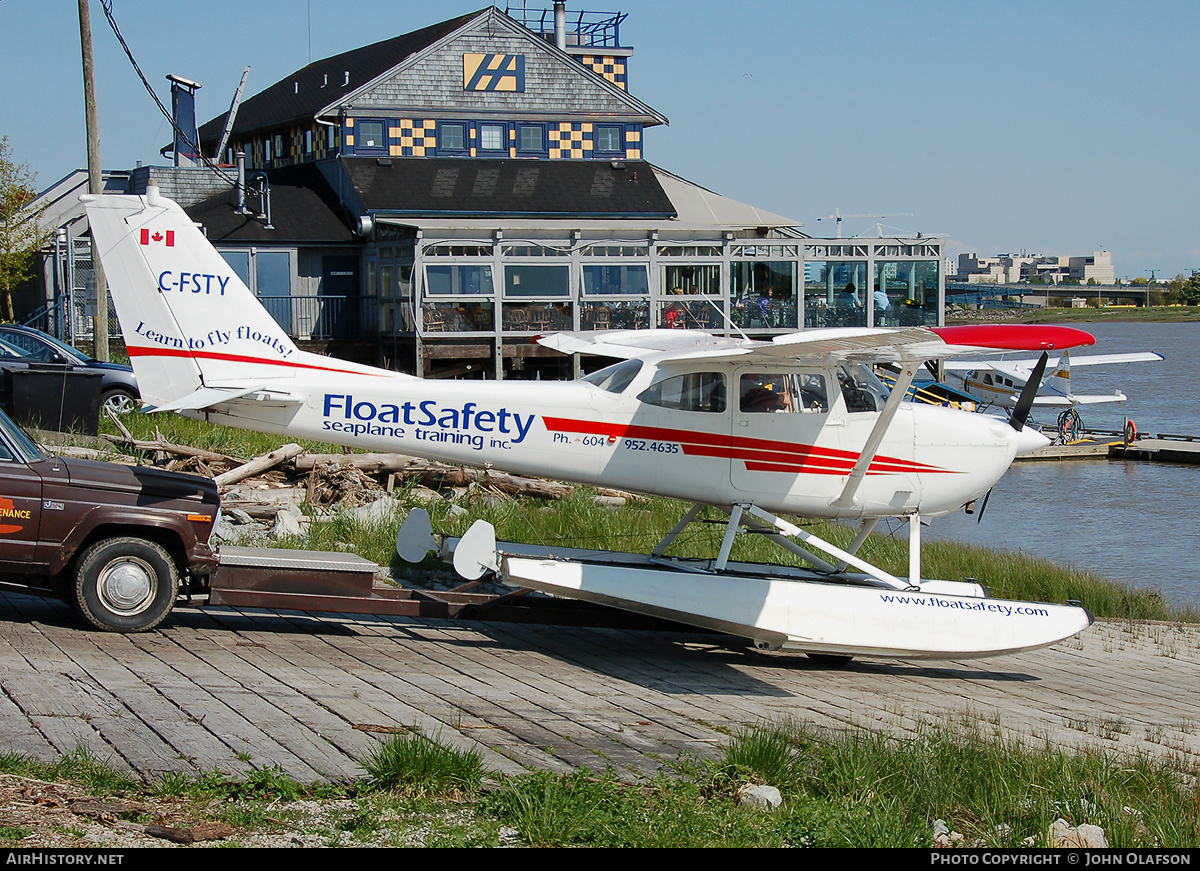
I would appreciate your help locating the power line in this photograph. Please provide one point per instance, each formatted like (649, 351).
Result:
(112, 22)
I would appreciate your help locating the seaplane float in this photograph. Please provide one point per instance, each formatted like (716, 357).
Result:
(793, 427)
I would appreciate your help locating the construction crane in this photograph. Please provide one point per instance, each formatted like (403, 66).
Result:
(839, 217)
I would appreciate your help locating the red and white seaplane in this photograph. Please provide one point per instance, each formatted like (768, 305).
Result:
(797, 425)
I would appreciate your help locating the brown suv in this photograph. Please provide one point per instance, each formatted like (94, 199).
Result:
(118, 543)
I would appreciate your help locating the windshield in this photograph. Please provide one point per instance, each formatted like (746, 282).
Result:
(614, 379)
(25, 446)
(39, 347)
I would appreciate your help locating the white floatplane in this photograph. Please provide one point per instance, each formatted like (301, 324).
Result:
(1000, 382)
(796, 425)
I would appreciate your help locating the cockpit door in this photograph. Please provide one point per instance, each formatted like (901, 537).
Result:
(781, 429)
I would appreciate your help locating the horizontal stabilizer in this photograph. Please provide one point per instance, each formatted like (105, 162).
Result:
(206, 397)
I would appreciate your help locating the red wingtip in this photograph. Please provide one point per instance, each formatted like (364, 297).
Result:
(1015, 337)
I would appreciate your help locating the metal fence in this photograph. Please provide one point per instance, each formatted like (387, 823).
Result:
(325, 317)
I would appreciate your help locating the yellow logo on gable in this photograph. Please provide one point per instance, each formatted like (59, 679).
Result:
(494, 72)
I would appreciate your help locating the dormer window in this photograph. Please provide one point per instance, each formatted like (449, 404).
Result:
(608, 139)
(531, 139)
(451, 137)
(370, 135)
(491, 137)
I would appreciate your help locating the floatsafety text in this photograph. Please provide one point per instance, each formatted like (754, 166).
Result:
(431, 421)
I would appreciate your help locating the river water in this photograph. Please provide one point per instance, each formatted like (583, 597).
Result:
(1127, 520)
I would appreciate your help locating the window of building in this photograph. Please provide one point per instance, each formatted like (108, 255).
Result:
(905, 293)
(452, 136)
(695, 391)
(521, 280)
(370, 135)
(764, 294)
(491, 137)
(308, 142)
(835, 293)
(531, 139)
(608, 138)
(615, 279)
(268, 274)
(458, 280)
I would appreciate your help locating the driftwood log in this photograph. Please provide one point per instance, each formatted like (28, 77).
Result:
(437, 474)
(165, 447)
(259, 465)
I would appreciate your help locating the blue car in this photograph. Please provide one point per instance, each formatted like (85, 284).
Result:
(118, 387)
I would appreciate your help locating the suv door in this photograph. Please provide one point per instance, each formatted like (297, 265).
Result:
(20, 512)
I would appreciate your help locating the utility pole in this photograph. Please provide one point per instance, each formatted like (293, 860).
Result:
(95, 183)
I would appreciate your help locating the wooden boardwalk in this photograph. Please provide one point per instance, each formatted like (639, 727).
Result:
(312, 694)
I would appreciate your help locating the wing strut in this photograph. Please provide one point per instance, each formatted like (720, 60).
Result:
(875, 439)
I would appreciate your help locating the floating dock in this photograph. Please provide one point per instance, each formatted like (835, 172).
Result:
(1161, 448)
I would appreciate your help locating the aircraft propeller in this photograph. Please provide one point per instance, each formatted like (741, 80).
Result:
(1021, 411)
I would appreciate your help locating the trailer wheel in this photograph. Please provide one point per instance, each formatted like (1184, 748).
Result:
(124, 585)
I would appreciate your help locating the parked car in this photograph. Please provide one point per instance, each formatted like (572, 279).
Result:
(118, 387)
(118, 543)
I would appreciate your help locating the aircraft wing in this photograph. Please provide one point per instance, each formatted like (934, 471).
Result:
(1028, 364)
(843, 343)
(630, 344)
(1057, 400)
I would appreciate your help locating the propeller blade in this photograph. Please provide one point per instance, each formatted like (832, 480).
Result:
(1024, 404)
(983, 507)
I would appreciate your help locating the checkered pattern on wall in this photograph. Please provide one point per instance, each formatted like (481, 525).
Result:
(417, 138)
(611, 68)
(571, 140)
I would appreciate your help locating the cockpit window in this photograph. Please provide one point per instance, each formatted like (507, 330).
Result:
(861, 388)
(695, 391)
(783, 391)
(616, 378)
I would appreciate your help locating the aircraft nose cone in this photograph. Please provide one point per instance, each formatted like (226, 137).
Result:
(1029, 440)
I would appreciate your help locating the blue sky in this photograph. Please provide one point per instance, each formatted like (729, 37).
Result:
(1047, 127)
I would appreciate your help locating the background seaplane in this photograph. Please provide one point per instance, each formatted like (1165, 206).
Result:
(1000, 382)
(796, 425)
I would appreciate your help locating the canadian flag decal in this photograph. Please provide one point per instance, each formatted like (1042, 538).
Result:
(158, 237)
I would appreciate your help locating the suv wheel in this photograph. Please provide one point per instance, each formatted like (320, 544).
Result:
(124, 585)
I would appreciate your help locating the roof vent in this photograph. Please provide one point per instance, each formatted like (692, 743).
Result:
(347, 79)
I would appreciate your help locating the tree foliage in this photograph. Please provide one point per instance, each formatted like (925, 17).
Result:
(1190, 294)
(21, 232)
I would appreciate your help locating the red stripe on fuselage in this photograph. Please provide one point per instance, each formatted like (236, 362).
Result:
(140, 351)
(764, 454)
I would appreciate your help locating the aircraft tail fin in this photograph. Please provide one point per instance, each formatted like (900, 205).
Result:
(188, 320)
(1060, 378)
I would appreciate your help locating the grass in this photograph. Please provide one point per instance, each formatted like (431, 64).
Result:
(414, 761)
(852, 788)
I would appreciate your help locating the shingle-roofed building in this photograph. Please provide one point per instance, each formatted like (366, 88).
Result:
(447, 194)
